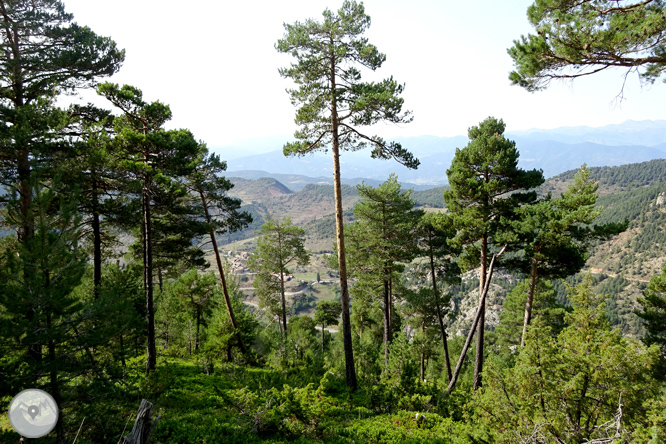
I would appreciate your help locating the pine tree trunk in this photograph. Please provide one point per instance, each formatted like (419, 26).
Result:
(26, 233)
(475, 323)
(220, 269)
(160, 280)
(530, 300)
(284, 304)
(350, 371)
(143, 426)
(390, 306)
(196, 338)
(387, 321)
(422, 355)
(151, 353)
(122, 352)
(478, 361)
(97, 238)
(442, 329)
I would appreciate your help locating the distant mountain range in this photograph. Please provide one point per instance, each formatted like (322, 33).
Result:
(553, 150)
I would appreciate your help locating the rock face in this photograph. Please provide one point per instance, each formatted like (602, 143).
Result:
(469, 304)
(661, 199)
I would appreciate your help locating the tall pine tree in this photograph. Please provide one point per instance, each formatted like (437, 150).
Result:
(486, 189)
(334, 105)
(155, 162)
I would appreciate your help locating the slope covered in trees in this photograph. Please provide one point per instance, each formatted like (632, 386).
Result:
(102, 327)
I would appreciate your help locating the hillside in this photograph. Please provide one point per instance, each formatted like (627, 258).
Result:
(614, 179)
(312, 207)
(267, 196)
(621, 266)
(636, 192)
(296, 182)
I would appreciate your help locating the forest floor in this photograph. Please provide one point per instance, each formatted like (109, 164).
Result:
(242, 404)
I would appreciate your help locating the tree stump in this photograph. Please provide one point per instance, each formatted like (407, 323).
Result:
(143, 426)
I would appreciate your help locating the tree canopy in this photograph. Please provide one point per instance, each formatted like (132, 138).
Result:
(576, 38)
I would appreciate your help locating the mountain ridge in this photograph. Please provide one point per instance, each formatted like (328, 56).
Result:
(612, 145)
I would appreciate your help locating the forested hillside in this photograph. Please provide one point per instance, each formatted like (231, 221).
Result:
(155, 298)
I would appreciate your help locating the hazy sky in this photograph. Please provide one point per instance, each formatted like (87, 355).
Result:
(215, 64)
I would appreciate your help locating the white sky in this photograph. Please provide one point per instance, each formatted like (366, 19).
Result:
(215, 64)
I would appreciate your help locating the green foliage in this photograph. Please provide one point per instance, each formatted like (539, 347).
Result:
(380, 241)
(624, 177)
(327, 313)
(329, 85)
(38, 278)
(485, 181)
(220, 339)
(209, 188)
(413, 428)
(487, 190)
(653, 313)
(302, 340)
(195, 293)
(580, 38)
(54, 56)
(568, 388)
(280, 244)
(510, 329)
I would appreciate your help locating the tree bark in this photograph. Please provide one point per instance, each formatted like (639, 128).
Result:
(53, 371)
(478, 361)
(284, 303)
(220, 269)
(97, 238)
(475, 323)
(196, 338)
(143, 426)
(442, 329)
(530, 300)
(387, 319)
(151, 353)
(350, 371)
(122, 352)
(422, 355)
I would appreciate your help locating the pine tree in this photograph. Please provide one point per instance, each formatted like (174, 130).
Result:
(155, 162)
(381, 239)
(485, 190)
(579, 38)
(280, 244)
(586, 384)
(556, 234)
(653, 313)
(510, 328)
(219, 211)
(435, 230)
(43, 54)
(89, 172)
(196, 293)
(39, 275)
(334, 104)
(327, 313)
